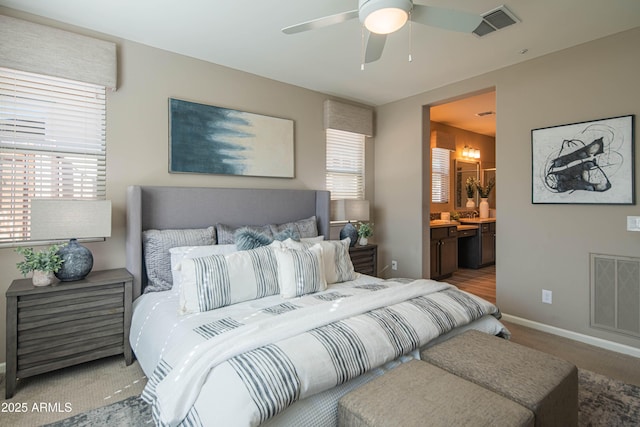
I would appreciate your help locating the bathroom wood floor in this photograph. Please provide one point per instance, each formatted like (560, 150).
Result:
(480, 282)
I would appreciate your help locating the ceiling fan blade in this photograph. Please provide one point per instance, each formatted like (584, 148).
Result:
(375, 46)
(321, 22)
(447, 19)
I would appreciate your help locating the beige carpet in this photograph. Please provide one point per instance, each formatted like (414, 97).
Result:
(61, 394)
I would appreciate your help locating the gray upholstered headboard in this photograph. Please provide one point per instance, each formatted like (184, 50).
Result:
(150, 207)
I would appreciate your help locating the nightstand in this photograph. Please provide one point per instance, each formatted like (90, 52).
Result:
(365, 259)
(67, 323)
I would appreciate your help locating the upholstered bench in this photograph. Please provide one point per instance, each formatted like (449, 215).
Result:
(545, 384)
(420, 394)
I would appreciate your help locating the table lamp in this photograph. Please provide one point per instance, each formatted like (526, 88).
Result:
(349, 210)
(56, 219)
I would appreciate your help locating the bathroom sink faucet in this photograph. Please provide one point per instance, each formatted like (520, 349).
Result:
(474, 214)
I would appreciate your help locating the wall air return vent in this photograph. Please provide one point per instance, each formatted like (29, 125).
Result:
(494, 20)
(615, 293)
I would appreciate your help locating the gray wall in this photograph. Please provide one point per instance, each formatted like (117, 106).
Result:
(538, 246)
(137, 133)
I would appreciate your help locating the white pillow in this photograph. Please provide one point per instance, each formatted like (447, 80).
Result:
(300, 271)
(218, 280)
(316, 239)
(190, 252)
(336, 259)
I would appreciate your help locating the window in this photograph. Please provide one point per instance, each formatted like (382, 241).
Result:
(440, 175)
(52, 145)
(345, 164)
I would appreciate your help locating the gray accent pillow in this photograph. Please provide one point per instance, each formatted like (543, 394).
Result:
(307, 227)
(157, 258)
(226, 233)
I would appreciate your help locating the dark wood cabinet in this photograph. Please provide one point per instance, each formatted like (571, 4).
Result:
(488, 242)
(67, 323)
(478, 250)
(444, 252)
(365, 259)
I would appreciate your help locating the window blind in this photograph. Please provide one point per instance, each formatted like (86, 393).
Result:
(52, 145)
(345, 164)
(440, 175)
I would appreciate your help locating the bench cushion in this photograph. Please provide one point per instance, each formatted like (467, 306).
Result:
(419, 394)
(545, 384)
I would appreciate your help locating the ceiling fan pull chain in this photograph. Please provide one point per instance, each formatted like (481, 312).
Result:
(410, 36)
(362, 53)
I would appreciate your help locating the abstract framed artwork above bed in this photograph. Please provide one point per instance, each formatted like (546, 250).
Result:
(216, 140)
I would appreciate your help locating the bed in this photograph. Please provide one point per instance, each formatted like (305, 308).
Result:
(263, 352)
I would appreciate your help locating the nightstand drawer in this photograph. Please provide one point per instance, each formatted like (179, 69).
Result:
(38, 311)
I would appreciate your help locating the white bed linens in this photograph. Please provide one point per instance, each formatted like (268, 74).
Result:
(300, 352)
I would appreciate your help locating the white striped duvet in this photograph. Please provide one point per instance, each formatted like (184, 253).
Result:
(243, 365)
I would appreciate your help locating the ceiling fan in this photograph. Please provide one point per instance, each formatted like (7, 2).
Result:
(382, 17)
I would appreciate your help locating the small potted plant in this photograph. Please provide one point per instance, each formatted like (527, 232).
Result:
(365, 230)
(470, 187)
(485, 190)
(43, 264)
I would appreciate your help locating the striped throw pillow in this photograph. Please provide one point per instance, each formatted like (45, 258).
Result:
(337, 263)
(219, 280)
(300, 271)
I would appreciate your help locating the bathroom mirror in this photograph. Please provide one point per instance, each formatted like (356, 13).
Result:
(463, 170)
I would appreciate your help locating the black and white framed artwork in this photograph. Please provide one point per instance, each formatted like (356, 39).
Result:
(584, 163)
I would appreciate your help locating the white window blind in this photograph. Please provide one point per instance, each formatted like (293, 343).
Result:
(440, 175)
(52, 145)
(345, 164)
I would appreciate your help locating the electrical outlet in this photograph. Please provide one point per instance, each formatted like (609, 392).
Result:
(547, 296)
(394, 264)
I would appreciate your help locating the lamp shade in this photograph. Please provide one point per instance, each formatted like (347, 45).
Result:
(349, 210)
(53, 219)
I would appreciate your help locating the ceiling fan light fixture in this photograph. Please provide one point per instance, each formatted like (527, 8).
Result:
(386, 21)
(384, 16)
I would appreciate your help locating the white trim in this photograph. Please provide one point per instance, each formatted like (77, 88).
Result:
(587, 339)
(3, 368)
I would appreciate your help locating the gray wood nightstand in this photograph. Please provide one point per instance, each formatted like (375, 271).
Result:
(67, 323)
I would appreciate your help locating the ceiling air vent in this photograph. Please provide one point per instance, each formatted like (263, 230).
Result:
(494, 20)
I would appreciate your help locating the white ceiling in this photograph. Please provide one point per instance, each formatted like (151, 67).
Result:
(466, 113)
(245, 35)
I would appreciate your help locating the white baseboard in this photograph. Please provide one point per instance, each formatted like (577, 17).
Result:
(598, 342)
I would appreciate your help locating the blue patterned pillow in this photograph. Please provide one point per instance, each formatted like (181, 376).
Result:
(226, 233)
(248, 238)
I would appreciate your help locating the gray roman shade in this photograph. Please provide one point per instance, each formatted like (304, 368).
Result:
(349, 118)
(50, 51)
(444, 140)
